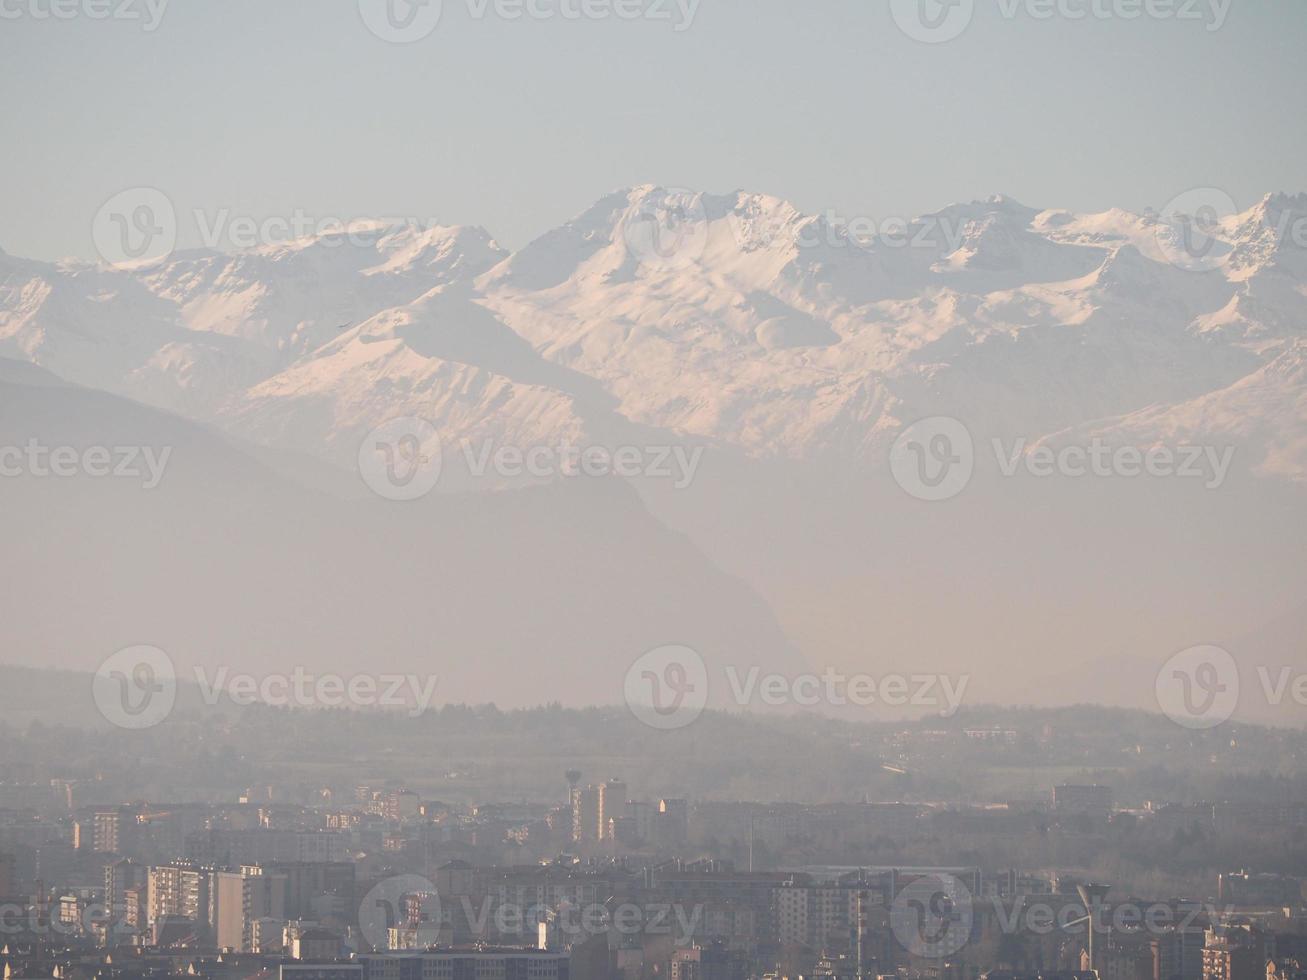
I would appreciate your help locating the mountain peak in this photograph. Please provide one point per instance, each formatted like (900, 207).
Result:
(997, 209)
(1127, 272)
(1268, 235)
(1277, 201)
(1006, 202)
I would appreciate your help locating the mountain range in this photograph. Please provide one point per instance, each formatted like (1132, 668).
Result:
(791, 349)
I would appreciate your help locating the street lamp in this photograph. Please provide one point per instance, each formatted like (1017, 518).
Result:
(1092, 895)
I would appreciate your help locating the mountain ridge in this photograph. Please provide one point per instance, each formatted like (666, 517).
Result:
(733, 319)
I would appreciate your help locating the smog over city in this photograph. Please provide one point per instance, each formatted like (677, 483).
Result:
(653, 490)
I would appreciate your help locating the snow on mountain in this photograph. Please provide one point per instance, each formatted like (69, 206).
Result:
(442, 358)
(92, 326)
(773, 332)
(192, 333)
(998, 248)
(734, 319)
(1263, 412)
(1271, 237)
(292, 298)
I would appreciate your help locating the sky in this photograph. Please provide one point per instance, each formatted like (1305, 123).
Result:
(267, 108)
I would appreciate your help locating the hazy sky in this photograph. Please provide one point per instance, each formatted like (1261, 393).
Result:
(272, 107)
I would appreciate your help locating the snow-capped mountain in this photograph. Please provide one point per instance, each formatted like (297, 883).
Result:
(734, 320)
(1265, 409)
(191, 334)
(794, 347)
